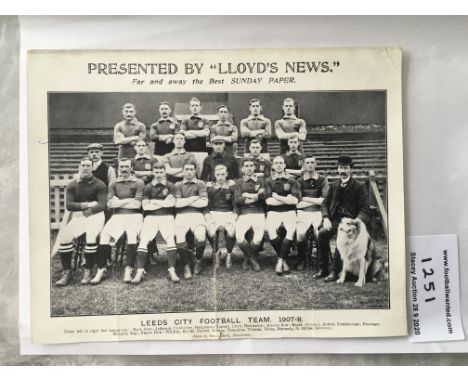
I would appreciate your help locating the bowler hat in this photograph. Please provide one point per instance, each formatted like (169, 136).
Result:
(345, 160)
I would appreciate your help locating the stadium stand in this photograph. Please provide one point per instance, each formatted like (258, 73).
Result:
(367, 155)
(366, 145)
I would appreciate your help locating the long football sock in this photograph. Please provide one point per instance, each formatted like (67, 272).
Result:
(171, 253)
(104, 252)
(230, 241)
(245, 248)
(66, 252)
(285, 248)
(184, 253)
(141, 256)
(276, 244)
(90, 255)
(199, 250)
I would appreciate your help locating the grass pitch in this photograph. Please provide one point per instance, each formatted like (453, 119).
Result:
(228, 290)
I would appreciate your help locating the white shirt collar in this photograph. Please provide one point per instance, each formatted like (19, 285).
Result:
(131, 178)
(146, 156)
(252, 117)
(178, 151)
(154, 182)
(275, 175)
(307, 175)
(194, 180)
(253, 177)
(166, 119)
(345, 181)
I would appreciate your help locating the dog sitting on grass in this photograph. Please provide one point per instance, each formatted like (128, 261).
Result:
(358, 253)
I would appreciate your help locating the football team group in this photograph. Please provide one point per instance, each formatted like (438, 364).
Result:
(185, 182)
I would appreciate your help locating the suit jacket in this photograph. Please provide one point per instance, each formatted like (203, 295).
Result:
(355, 200)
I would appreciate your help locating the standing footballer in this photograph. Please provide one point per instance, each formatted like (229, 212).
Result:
(289, 126)
(196, 130)
(225, 129)
(256, 126)
(128, 131)
(163, 130)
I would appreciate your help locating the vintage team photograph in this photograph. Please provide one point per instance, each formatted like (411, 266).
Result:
(235, 201)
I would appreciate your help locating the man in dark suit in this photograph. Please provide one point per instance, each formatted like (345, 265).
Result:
(219, 156)
(348, 198)
(101, 170)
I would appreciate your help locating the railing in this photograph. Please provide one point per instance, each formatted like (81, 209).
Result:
(374, 194)
(59, 215)
(57, 199)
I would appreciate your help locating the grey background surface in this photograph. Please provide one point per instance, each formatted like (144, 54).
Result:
(435, 119)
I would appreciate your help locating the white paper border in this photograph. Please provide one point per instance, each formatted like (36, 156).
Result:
(82, 33)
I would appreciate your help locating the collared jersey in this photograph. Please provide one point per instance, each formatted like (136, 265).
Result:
(252, 123)
(163, 127)
(159, 191)
(293, 161)
(283, 186)
(144, 163)
(221, 198)
(129, 129)
(196, 123)
(84, 191)
(186, 189)
(289, 125)
(313, 188)
(212, 160)
(225, 129)
(252, 185)
(176, 159)
(262, 165)
(125, 189)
